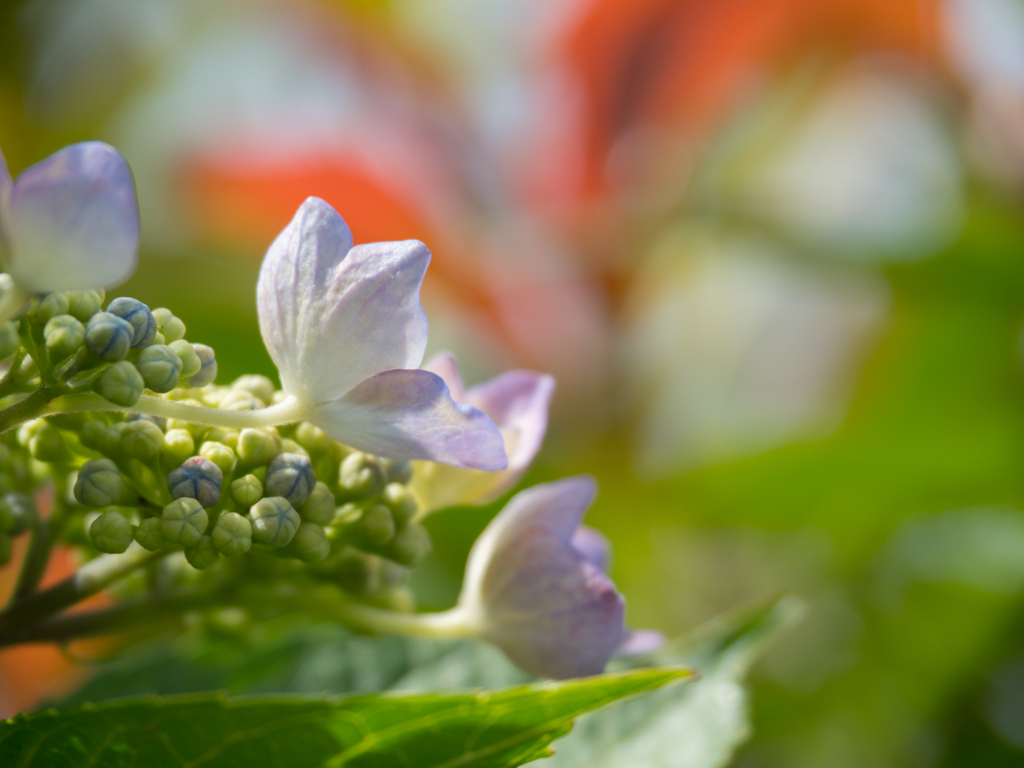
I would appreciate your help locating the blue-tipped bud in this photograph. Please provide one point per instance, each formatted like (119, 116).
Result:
(274, 521)
(203, 554)
(310, 543)
(247, 490)
(184, 521)
(142, 440)
(208, 370)
(16, 513)
(232, 535)
(291, 476)
(9, 340)
(160, 367)
(168, 325)
(178, 446)
(48, 306)
(258, 386)
(401, 501)
(84, 304)
(99, 483)
(108, 336)
(220, 455)
(256, 447)
(142, 321)
(121, 383)
(64, 336)
(197, 478)
(149, 535)
(361, 475)
(190, 362)
(111, 533)
(319, 507)
(396, 471)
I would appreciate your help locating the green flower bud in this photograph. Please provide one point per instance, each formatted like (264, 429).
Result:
(84, 304)
(240, 400)
(149, 535)
(110, 440)
(47, 444)
(220, 455)
(410, 545)
(141, 319)
(310, 543)
(184, 521)
(141, 440)
(9, 340)
(190, 362)
(356, 572)
(111, 533)
(208, 372)
(401, 501)
(274, 522)
(6, 547)
(290, 475)
(256, 446)
(228, 437)
(197, 478)
(122, 384)
(196, 430)
(16, 513)
(258, 386)
(91, 433)
(203, 554)
(319, 508)
(72, 422)
(99, 483)
(170, 326)
(247, 490)
(52, 304)
(260, 473)
(160, 367)
(232, 535)
(108, 336)
(290, 446)
(368, 525)
(312, 438)
(158, 338)
(396, 471)
(28, 430)
(178, 446)
(361, 475)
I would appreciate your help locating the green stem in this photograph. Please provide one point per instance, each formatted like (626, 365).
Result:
(455, 622)
(31, 407)
(44, 534)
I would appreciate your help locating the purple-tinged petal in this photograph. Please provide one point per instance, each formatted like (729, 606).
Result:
(594, 546)
(534, 594)
(5, 181)
(333, 315)
(410, 415)
(72, 221)
(446, 366)
(640, 641)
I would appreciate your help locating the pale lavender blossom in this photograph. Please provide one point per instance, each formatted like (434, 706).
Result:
(518, 403)
(346, 329)
(70, 222)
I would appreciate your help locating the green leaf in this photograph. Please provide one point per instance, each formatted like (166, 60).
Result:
(485, 729)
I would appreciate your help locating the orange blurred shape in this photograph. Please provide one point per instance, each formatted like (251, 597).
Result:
(685, 63)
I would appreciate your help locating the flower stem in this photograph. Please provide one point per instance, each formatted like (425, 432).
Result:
(28, 408)
(451, 623)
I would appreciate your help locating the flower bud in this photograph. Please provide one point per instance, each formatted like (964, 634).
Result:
(310, 543)
(232, 535)
(6, 547)
(184, 521)
(28, 430)
(240, 400)
(52, 304)
(110, 439)
(256, 447)
(396, 471)
(371, 526)
(141, 440)
(160, 367)
(91, 433)
(361, 475)
(47, 444)
(319, 506)
(197, 478)
(108, 336)
(190, 362)
(220, 455)
(274, 521)
(247, 490)
(290, 446)
(16, 513)
(111, 533)
(149, 535)
(196, 430)
(203, 554)
(121, 383)
(290, 475)
(141, 319)
(84, 304)
(258, 386)
(312, 438)
(228, 437)
(99, 483)
(401, 501)
(356, 572)
(9, 340)
(170, 326)
(64, 336)
(410, 545)
(208, 371)
(178, 446)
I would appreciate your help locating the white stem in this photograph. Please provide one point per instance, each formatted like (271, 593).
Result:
(286, 412)
(451, 623)
(11, 302)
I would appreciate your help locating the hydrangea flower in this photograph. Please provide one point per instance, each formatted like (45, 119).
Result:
(517, 401)
(346, 329)
(70, 222)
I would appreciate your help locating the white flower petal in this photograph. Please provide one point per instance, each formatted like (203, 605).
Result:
(72, 221)
(410, 415)
(446, 366)
(332, 315)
